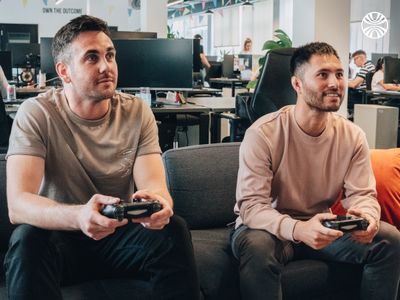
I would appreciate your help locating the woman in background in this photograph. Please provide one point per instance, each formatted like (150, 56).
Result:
(247, 46)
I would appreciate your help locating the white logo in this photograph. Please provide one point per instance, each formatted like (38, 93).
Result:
(374, 25)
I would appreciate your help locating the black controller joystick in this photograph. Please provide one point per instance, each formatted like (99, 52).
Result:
(346, 223)
(139, 208)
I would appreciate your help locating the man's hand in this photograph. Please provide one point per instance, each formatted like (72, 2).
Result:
(159, 219)
(364, 236)
(94, 224)
(314, 234)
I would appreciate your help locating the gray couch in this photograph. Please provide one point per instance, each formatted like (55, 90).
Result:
(202, 181)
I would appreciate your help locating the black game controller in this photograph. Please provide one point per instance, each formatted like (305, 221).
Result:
(138, 208)
(346, 223)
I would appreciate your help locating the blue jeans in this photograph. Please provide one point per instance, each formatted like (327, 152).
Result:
(262, 256)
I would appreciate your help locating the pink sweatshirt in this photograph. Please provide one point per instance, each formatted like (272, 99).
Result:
(286, 175)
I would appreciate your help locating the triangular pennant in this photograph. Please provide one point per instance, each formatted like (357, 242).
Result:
(203, 4)
(215, 3)
(229, 2)
(201, 17)
(185, 11)
(222, 2)
(221, 12)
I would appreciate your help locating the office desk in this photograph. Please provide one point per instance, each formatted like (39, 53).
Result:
(385, 94)
(216, 106)
(201, 111)
(27, 92)
(232, 82)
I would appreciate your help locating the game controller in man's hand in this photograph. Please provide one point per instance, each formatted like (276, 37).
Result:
(346, 223)
(138, 208)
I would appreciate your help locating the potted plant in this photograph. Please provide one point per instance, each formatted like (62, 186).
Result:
(282, 40)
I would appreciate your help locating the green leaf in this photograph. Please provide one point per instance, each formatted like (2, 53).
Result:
(252, 84)
(284, 40)
(270, 44)
(261, 61)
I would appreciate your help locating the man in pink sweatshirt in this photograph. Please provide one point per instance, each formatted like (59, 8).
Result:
(293, 164)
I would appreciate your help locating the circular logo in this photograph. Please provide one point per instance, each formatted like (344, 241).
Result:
(374, 25)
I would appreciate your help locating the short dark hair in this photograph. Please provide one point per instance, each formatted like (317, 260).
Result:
(303, 54)
(359, 52)
(68, 33)
(198, 37)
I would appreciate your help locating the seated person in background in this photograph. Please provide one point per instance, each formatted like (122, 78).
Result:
(360, 60)
(293, 164)
(74, 150)
(247, 46)
(377, 80)
(3, 83)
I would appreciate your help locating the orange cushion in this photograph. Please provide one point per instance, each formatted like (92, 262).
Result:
(386, 167)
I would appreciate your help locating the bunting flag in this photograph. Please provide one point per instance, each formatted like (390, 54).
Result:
(110, 9)
(185, 11)
(221, 12)
(45, 2)
(222, 2)
(24, 3)
(203, 4)
(215, 3)
(229, 2)
(129, 12)
(201, 17)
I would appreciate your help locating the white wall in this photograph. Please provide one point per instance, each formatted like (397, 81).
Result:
(50, 17)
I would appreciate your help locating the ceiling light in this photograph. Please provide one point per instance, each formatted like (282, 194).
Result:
(209, 12)
(247, 3)
(59, 1)
(174, 3)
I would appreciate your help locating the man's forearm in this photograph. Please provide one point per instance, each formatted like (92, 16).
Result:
(43, 212)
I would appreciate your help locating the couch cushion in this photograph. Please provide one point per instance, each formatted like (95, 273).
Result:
(202, 182)
(386, 166)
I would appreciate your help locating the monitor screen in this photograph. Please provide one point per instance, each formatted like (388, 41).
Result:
(132, 35)
(376, 56)
(5, 63)
(24, 55)
(391, 70)
(46, 58)
(157, 63)
(227, 66)
(245, 62)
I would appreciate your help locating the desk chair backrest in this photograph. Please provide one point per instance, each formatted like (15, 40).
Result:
(368, 80)
(274, 89)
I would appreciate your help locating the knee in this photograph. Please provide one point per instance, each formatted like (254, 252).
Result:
(177, 229)
(390, 237)
(259, 247)
(26, 241)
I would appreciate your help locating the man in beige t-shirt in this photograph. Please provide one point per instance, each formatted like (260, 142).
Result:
(293, 165)
(74, 150)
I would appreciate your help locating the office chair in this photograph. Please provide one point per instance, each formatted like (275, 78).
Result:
(5, 126)
(273, 91)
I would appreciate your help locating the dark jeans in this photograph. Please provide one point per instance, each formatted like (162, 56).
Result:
(39, 261)
(262, 257)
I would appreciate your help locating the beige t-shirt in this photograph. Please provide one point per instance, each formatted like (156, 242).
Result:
(84, 157)
(286, 175)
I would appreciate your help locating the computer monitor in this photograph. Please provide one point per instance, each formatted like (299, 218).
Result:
(245, 62)
(24, 55)
(391, 70)
(154, 63)
(227, 66)
(132, 35)
(5, 63)
(376, 56)
(46, 58)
